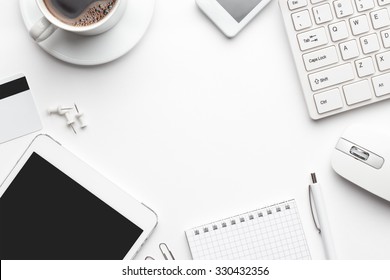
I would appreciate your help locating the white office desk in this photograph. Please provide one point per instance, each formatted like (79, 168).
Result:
(200, 127)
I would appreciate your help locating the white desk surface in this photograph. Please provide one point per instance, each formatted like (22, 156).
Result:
(200, 127)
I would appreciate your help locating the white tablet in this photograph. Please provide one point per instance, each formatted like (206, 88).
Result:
(231, 15)
(53, 206)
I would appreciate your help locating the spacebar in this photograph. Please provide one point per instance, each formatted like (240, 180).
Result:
(331, 77)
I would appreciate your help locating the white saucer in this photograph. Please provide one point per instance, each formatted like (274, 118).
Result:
(94, 50)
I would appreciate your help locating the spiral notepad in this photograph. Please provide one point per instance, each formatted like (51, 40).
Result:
(273, 232)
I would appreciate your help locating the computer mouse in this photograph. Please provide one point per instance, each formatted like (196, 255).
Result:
(362, 156)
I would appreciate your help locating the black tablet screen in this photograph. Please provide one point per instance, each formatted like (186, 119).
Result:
(238, 9)
(46, 215)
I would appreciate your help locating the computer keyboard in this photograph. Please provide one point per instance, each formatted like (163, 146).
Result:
(341, 50)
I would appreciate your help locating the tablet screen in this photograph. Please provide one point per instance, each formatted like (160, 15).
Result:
(44, 214)
(238, 9)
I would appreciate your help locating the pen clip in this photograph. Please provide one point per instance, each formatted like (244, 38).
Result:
(312, 211)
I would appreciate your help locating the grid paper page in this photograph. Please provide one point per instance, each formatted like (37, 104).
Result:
(273, 232)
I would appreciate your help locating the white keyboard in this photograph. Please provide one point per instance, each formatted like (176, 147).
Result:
(341, 50)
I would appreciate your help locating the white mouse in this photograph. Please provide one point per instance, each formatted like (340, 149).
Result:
(362, 156)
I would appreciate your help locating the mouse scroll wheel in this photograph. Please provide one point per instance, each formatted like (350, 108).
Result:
(359, 153)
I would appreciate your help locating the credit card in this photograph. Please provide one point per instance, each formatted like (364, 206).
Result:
(18, 113)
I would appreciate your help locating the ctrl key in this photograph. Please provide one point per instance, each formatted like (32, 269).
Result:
(328, 101)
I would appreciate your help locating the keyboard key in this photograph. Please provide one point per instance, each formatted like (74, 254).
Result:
(296, 4)
(338, 31)
(370, 43)
(328, 101)
(357, 92)
(331, 77)
(322, 13)
(381, 84)
(312, 39)
(316, 1)
(359, 25)
(383, 60)
(365, 67)
(301, 20)
(349, 49)
(343, 8)
(380, 18)
(386, 38)
(320, 58)
(364, 5)
(383, 2)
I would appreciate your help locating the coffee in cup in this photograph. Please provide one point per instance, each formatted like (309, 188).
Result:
(80, 12)
(82, 17)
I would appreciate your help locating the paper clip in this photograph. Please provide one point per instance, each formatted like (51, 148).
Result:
(162, 251)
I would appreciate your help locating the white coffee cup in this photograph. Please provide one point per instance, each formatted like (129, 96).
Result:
(49, 23)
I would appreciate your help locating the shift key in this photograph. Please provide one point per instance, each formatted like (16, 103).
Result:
(331, 77)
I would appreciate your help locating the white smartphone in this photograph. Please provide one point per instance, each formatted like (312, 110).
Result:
(231, 16)
(53, 206)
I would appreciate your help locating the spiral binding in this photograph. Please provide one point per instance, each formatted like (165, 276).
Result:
(260, 213)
